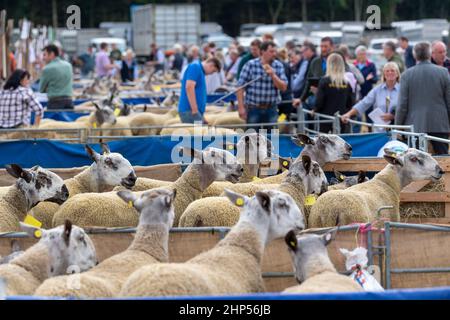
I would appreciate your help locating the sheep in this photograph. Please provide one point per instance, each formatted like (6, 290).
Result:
(361, 202)
(32, 186)
(233, 266)
(304, 178)
(107, 171)
(16, 251)
(313, 268)
(60, 250)
(150, 119)
(189, 129)
(150, 245)
(342, 182)
(323, 149)
(101, 116)
(251, 148)
(209, 165)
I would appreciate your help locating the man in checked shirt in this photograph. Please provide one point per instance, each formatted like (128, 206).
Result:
(263, 95)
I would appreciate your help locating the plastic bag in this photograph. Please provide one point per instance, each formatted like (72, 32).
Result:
(357, 261)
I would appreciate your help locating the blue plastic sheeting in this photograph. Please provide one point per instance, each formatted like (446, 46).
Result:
(133, 101)
(150, 151)
(68, 116)
(442, 293)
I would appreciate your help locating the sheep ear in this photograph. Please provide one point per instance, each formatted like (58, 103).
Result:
(237, 199)
(99, 116)
(17, 172)
(67, 231)
(168, 200)
(127, 196)
(291, 240)
(328, 237)
(392, 159)
(32, 231)
(97, 107)
(105, 148)
(302, 140)
(285, 163)
(362, 177)
(306, 160)
(339, 176)
(264, 200)
(92, 153)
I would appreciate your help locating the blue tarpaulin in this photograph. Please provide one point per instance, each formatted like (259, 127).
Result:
(441, 293)
(149, 151)
(70, 116)
(133, 101)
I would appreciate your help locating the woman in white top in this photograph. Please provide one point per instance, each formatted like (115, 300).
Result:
(384, 96)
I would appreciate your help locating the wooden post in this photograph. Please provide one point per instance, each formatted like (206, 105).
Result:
(3, 49)
(9, 31)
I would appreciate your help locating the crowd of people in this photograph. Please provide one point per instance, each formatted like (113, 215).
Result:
(413, 87)
(410, 89)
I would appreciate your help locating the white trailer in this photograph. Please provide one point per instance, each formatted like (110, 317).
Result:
(165, 25)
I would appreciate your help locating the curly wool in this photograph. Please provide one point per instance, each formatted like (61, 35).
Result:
(81, 183)
(232, 267)
(13, 209)
(108, 210)
(325, 282)
(106, 279)
(24, 274)
(219, 212)
(360, 202)
(143, 184)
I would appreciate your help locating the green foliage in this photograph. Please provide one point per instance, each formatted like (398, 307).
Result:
(231, 13)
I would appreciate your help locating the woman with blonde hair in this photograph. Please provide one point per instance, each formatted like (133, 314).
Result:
(384, 96)
(334, 93)
(129, 68)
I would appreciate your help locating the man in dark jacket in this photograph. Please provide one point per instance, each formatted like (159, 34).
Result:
(408, 55)
(424, 99)
(317, 69)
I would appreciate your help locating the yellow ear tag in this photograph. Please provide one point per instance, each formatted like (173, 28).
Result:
(310, 200)
(240, 202)
(285, 164)
(256, 179)
(117, 112)
(157, 88)
(282, 118)
(32, 221)
(293, 244)
(94, 125)
(342, 177)
(38, 234)
(130, 204)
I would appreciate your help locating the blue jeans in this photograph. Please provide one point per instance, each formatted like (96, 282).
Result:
(188, 117)
(255, 115)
